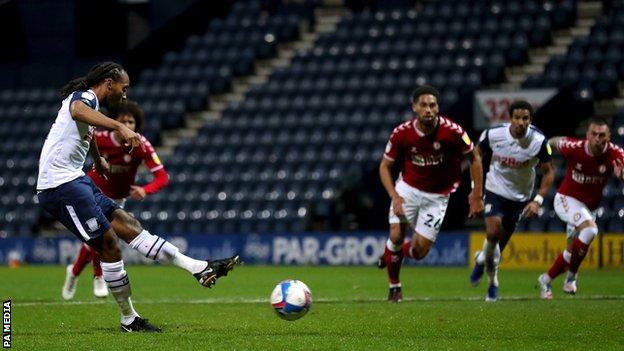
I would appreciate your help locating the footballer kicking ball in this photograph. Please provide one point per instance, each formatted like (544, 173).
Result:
(291, 299)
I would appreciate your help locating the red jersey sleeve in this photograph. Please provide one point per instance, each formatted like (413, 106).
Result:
(393, 147)
(460, 137)
(567, 145)
(152, 161)
(150, 157)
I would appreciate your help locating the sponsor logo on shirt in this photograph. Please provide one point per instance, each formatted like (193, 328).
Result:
(585, 179)
(429, 160)
(511, 162)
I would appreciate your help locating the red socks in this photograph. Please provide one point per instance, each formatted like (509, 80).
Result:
(558, 267)
(579, 250)
(407, 249)
(85, 255)
(393, 264)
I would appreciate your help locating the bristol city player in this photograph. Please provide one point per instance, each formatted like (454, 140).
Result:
(433, 148)
(118, 185)
(590, 161)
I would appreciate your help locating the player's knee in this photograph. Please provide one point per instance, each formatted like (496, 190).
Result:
(126, 224)
(420, 246)
(396, 235)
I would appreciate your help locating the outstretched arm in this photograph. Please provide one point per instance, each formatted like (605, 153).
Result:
(554, 142)
(83, 113)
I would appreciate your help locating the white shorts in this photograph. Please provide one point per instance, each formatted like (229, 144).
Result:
(572, 212)
(423, 211)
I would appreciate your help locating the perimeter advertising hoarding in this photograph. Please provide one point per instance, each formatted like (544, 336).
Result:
(539, 250)
(451, 249)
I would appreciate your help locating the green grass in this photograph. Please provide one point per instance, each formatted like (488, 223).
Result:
(441, 311)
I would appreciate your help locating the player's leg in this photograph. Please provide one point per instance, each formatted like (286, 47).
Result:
(587, 231)
(429, 220)
(74, 205)
(99, 284)
(577, 217)
(156, 248)
(393, 250)
(393, 259)
(493, 213)
(73, 270)
(491, 253)
(118, 282)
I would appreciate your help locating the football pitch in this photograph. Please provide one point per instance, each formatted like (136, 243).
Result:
(441, 311)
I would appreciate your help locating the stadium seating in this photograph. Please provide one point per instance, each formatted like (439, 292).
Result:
(593, 65)
(276, 159)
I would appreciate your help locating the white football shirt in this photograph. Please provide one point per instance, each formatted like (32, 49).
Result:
(512, 168)
(65, 149)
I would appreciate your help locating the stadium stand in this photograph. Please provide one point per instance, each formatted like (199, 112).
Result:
(277, 159)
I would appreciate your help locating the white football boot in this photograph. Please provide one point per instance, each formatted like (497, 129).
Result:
(69, 287)
(99, 287)
(569, 287)
(545, 288)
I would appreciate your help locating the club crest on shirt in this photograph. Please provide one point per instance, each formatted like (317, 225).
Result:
(127, 158)
(602, 168)
(92, 223)
(436, 145)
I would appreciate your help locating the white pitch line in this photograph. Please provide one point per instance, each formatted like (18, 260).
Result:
(225, 300)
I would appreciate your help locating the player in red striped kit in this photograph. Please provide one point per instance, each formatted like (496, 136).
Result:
(119, 183)
(433, 148)
(590, 162)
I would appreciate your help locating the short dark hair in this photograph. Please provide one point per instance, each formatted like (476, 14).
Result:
(520, 105)
(425, 90)
(599, 121)
(130, 107)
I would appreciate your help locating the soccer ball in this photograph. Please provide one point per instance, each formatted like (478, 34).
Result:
(291, 299)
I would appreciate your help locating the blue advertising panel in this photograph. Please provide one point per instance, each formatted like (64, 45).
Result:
(451, 249)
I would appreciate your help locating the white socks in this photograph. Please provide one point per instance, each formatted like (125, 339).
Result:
(157, 248)
(190, 264)
(393, 247)
(154, 247)
(119, 285)
(492, 258)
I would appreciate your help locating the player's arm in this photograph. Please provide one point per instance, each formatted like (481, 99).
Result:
(475, 198)
(100, 164)
(531, 210)
(385, 174)
(161, 177)
(618, 167)
(80, 111)
(554, 142)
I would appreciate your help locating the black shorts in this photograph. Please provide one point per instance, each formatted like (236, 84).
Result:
(80, 206)
(508, 210)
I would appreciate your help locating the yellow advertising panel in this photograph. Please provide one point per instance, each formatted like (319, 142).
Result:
(613, 250)
(536, 250)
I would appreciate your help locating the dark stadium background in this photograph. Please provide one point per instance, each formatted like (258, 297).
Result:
(272, 115)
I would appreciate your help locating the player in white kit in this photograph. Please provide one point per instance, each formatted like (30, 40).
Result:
(516, 149)
(72, 198)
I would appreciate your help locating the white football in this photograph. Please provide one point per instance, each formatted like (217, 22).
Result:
(291, 299)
